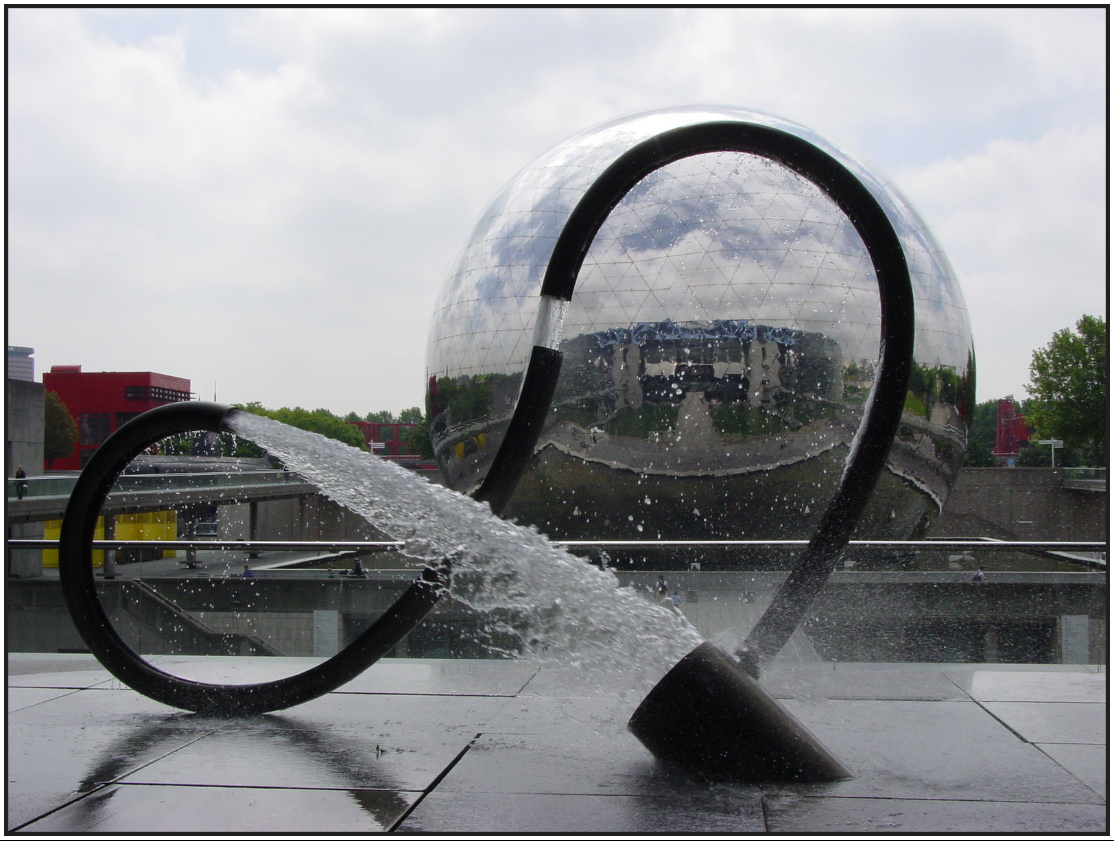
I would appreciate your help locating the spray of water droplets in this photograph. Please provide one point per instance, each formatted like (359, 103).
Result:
(563, 610)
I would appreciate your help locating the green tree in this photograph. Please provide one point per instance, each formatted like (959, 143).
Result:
(978, 455)
(980, 436)
(203, 443)
(411, 415)
(382, 416)
(321, 421)
(417, 438)
(59, 429)
(1069, 389)
(1040, 455)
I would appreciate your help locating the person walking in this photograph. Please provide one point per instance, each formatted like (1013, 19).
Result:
(661, 589)
(20, 483)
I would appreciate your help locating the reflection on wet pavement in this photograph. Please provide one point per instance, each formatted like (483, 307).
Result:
(421, 746)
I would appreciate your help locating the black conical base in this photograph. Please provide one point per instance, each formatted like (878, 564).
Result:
(709, 716)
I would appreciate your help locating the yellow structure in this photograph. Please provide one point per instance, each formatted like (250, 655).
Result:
(148, 525)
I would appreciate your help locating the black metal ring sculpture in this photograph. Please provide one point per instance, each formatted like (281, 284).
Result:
(869, 449)
(75, 565)
(887, 401)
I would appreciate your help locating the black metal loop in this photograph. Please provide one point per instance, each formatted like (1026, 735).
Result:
(868, 456)
(75, 564)
(882, 414)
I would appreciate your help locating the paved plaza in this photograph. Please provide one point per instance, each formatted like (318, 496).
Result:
(500, 746)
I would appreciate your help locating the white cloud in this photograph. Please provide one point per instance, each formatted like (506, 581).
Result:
(270, 198)
(1025, 226)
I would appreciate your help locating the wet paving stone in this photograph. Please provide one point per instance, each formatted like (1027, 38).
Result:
(790, 814)
(1065, 685)
(1053, 722)
(279, 755)
(495, 746)
(196, 809)
(52, 764)
(1088, 763)
(935, 751)
(546, 813)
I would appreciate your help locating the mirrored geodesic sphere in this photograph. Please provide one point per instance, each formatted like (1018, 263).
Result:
(718, 349)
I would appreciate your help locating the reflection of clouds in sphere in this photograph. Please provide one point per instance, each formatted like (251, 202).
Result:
(730, 236)
(493, 288)
(723, 333)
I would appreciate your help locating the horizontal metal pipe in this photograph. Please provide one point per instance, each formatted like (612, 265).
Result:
(260, 545)
(860, 544)
(394, 545)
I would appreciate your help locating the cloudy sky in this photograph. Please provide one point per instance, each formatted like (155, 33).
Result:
(266, 201)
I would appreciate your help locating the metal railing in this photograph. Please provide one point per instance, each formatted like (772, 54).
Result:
(40, 486)
(37, 486)
(160, 613)
(981, 544)
(1085, 473)
(50, 486)
(1085, 479)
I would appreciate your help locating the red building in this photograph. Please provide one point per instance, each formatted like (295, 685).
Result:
(388, 435)
(102, 401)
(1011, 432)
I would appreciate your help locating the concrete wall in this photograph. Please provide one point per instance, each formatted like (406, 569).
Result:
(1004, 503)
(1014, 617)
(36, 618)
(23, 444)
(290, 632)
(1021, 503)
(917, 617)
(289, 615)
(306, 518)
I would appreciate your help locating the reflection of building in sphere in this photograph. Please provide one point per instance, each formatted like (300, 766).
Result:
(732, 363)
(718, 349)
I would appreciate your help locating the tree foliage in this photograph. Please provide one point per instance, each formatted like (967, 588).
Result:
(980, 436)
(343, 429)
(1069, 388)
(1040, 455)
(978, 455)
(984, 422)
(467, 398)
(321, 421)
(59, 428)
(418, 438)
(198, 443)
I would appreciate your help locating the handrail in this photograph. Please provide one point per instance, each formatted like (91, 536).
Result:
(986, 544)
(187, 618)
(62, 485)
(1084, 472)
(131, 482)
